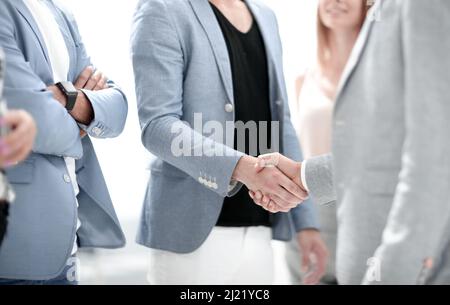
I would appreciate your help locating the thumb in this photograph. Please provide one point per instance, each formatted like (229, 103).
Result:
(260, 165)
(287, 166)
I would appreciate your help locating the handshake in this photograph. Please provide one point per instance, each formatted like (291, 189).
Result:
(274, 181)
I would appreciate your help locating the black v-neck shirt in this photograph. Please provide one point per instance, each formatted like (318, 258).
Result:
(249, 68)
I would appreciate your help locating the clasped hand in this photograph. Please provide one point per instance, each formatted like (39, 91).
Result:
(273, 180)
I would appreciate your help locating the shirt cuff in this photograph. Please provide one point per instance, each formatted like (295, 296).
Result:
(303, 175)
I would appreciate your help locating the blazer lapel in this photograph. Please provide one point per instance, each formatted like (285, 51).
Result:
(212, 28)
(26, 14)
(358, 49)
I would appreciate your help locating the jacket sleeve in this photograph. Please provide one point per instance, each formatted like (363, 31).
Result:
(58, 133)
(159, 66)
(319, 175)
(418, 220)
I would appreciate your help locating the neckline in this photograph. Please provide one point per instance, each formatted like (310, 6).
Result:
(252, 26)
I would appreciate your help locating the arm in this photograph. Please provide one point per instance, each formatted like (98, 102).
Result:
(158, 66)
(420, 212)
(159, 74)
(319, 179)
(58, 133)
(109, 106)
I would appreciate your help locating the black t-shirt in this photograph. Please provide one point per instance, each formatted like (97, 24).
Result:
(249, 67)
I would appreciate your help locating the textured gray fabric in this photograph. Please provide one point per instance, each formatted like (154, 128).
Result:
(391, 148)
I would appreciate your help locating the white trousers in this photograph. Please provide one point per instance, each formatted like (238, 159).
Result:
(229, 256)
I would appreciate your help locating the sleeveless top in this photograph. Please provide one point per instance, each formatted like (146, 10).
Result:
(315, 119)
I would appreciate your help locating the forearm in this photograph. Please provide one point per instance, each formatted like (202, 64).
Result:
(58, 133)
(200, 157)
(109, 109)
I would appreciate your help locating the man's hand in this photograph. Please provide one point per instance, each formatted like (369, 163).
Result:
(314, 256)
(89, 79)
(284, 193)
(16, 146)
(288, 167)
(92, 80)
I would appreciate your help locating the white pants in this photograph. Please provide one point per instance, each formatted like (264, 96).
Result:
(229, 256)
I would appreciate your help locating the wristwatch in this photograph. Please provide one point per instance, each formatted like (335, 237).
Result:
(70, 92)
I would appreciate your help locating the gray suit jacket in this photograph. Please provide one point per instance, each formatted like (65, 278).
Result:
(391, 148)
(182, 68)
(44, 217)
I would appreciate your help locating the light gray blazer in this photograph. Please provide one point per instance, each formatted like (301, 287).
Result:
(44, 217)
(182, 67)
(392, 148)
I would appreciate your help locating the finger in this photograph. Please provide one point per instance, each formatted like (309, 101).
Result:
(269, 160)
(93, 81)
(13, 150)
(265, 200)
(280, 202)
(273, 208)
(255, 200)
(258, 195)
(84, 77)
(259, 166)
(287, 197)
(311, 279)
(251, 194)
(316, 270)
(18, 156)
(278, 207)
(322, 260)
(287, 166)
(293, 188)
(101, 82)
(306, 260)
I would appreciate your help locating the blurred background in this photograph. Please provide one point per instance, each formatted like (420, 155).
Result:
(105, 27)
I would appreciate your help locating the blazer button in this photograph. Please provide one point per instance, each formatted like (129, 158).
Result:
(67, 178)
(97, 131)
(229, 108)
